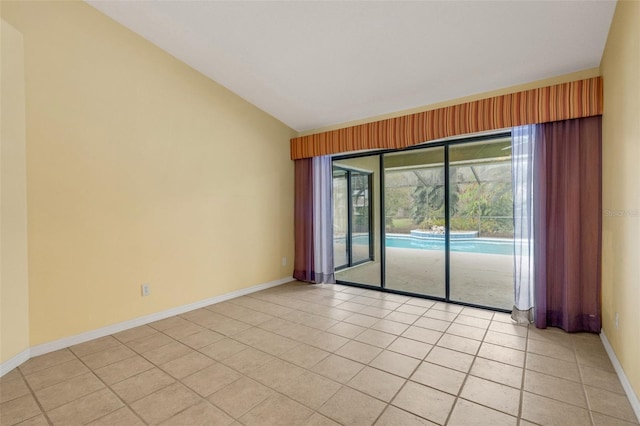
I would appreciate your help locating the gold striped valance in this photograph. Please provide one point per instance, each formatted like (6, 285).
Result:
(576, 99)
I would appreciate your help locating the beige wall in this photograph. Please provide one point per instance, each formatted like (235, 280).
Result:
(140, 170)
(14, 287)
(621, 188)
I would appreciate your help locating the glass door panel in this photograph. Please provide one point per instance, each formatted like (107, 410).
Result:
(360, 217)
(340, 218)
(356, 229)
(414, 195)
(481, 223)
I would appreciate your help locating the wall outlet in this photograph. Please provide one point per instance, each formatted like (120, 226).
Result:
(284, 261)
(145, 289)
(617, 320)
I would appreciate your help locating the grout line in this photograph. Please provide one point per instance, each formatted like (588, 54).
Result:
(109, 388)
(451, 322)
(468, 373)
(522, 379)
(397, 336)
(345, 385)
(582, 385)
(33, 395)
(318, 301)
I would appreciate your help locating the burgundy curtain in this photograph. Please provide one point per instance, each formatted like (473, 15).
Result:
(303, 266)
(568, 224)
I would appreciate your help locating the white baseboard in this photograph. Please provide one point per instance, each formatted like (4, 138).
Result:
(14, 361)
(65, 342)
(633, 398)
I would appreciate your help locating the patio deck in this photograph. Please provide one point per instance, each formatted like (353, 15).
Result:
(482, 279)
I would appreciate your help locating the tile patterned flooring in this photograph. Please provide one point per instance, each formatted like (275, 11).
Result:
(322, 355)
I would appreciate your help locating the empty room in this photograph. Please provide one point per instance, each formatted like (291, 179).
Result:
(320, 213)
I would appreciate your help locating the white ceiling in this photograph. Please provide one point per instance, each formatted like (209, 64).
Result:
(313, 64)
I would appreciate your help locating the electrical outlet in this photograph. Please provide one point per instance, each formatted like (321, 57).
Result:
(284, 261)
(617, 320)
(145, 289)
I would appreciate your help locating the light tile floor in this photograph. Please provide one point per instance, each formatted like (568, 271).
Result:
(322, 355)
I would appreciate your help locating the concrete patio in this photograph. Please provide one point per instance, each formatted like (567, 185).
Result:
(481, 279)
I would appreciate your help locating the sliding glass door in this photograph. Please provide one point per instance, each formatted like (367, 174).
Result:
(351, 217)
(481, 223)
(355, 217)
(414, 206)
(445, 221)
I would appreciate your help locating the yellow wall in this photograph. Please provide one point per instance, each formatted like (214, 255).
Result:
(14, 287)
(620, 68)
(140, 170)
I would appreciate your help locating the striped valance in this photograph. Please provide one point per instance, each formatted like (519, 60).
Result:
(576, 99)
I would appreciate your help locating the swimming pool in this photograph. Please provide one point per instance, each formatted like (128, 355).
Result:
(475, 245)
(472, 245)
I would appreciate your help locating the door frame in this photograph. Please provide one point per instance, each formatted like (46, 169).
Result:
(349, 234)
(446, 143)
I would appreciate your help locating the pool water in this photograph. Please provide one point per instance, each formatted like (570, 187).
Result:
(476, 245)
(473, 245)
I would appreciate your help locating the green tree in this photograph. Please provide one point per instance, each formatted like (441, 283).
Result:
(428, 202)
(397, 202)
(489, 199)
(491, 203)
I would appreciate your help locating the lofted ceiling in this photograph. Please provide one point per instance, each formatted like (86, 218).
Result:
(313, 64)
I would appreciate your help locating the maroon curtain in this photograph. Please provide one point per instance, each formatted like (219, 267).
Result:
(303, 221)
(568, 224)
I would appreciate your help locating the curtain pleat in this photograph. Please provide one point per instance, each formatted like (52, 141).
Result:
(568, 225)
(303, 221)
(323, 220)
(522, 166)
(313, 221)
